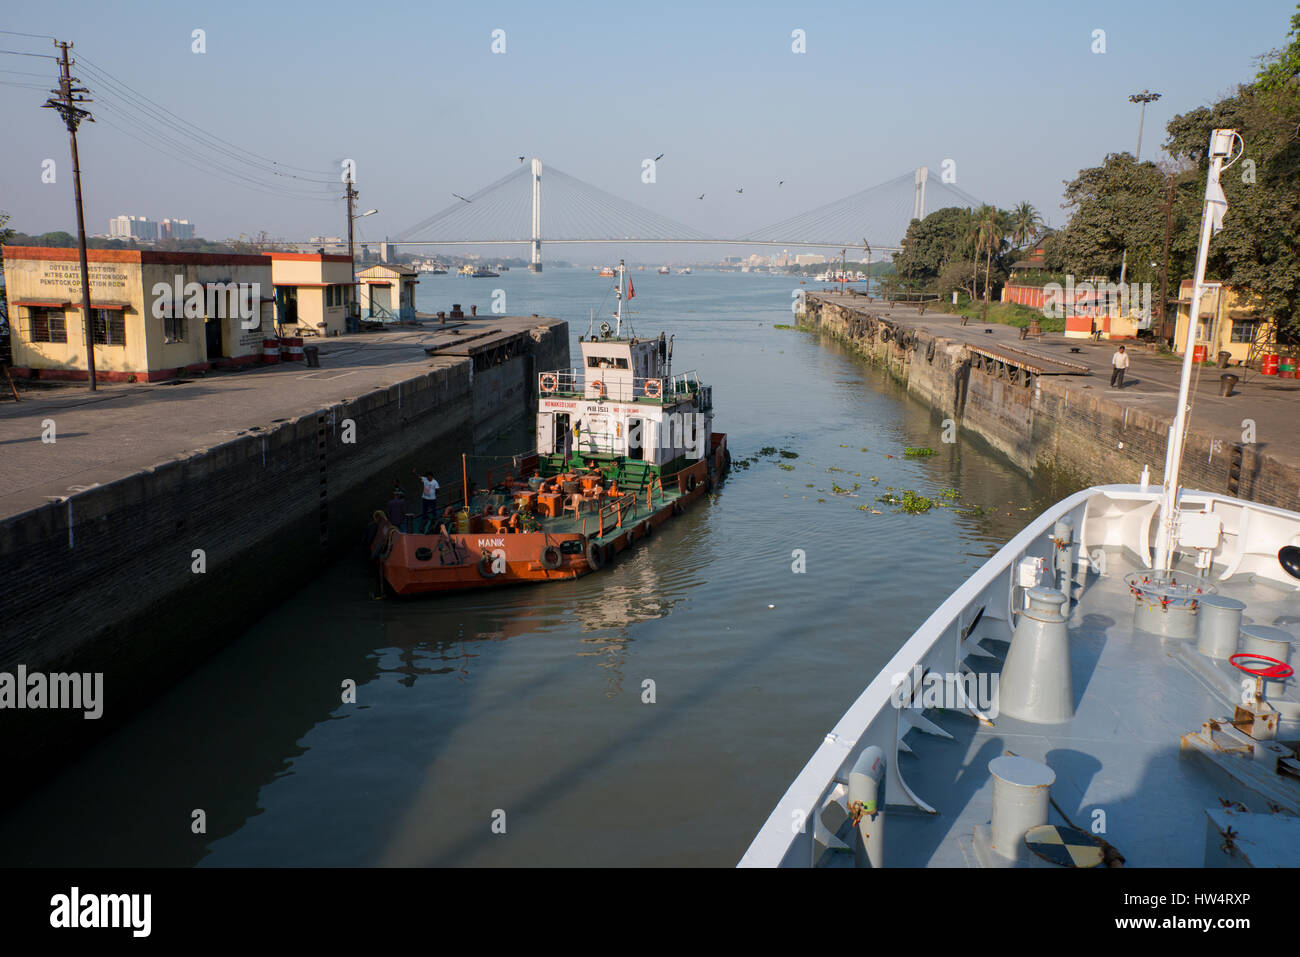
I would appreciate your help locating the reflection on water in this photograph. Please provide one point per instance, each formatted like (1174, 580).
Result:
(528, 700)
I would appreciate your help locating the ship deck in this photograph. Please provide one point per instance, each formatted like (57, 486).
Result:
(1135, 695)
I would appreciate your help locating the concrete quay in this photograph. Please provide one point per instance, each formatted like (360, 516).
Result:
(1247, 444)
(165, 518)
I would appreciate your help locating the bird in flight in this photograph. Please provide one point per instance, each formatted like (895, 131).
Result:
(521, 159)
(782, 183)
(741, 190)
(701, 195)
(458, 196)
(659, 157)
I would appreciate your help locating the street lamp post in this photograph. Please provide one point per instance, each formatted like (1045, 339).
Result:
(1145, 97)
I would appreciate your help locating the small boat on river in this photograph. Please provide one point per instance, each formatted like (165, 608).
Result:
(624, 444)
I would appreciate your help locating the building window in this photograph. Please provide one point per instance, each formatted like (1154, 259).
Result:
(108, 327)
(48, 325)
(329, 295)
(1245, 330)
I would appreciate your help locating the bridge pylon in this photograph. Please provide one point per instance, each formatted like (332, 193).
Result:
(536, 264)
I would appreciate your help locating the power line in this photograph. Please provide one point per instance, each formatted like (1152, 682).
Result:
(116, 82)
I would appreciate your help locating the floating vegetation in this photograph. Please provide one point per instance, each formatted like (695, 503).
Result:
(788, 468)
(912, 453)
(821, 500)
(861, 450)
(875, 479)
(767, 450)
(832, 468)
(841, 491)
(809, 485)
(787, 454)
(910, 502)
(951, 494)
(781, 325)
(972, 510)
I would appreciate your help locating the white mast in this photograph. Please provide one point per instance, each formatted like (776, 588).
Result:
(1221, 142)
(618, 316)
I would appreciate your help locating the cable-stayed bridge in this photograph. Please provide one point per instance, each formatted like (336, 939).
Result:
(531, 206)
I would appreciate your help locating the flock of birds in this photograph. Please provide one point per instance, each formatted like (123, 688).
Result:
(739, 191)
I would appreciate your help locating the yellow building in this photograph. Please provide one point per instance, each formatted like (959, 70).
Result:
(387, 292)
(153, 313)
(312, 292)
(1225, 324)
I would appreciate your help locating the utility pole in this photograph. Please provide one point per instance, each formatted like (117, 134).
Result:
(1145, 97)
(867, 245)
(67, 99)
(1164, 278)
(353, 301)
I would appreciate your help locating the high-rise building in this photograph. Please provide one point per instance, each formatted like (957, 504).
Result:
(132, 227)
(175, 229)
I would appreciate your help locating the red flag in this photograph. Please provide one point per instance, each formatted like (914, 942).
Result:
(630, 291)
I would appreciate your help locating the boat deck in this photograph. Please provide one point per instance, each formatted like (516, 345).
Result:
(1135, 695)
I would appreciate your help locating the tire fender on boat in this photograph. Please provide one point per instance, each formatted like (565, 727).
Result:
(551, 558)
(690, 483)
(485, 567)
(595, 557)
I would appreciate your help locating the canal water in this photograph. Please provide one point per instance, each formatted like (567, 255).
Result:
(514, 727)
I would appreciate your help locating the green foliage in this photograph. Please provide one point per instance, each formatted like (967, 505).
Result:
(913, 453)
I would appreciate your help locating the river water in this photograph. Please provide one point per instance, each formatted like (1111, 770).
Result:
(523, 710)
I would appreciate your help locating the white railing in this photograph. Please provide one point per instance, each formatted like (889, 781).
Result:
(612, 384)
(1113, 516)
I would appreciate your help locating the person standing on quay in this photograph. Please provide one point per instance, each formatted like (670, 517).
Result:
(1120, 363)
(430, 497)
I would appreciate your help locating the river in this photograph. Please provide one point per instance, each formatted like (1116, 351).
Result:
(512, 727)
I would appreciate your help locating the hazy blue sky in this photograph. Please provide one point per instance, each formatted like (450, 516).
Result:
(412, 92)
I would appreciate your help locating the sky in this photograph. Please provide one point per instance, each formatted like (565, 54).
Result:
(1011, 95)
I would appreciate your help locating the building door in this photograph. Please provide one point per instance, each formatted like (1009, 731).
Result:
(381, 300)
(212, 332)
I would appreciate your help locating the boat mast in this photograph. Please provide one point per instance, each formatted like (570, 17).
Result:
(1221, 143)
(618, 316)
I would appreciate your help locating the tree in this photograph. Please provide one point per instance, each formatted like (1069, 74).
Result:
(931, 244)
(991, 230)
(6, 234)
(1026, 224)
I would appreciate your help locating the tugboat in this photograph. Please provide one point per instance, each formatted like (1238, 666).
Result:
(606, 272)
(624, 444)
(664, 270)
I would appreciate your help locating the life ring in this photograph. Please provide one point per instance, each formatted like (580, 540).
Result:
(595, 557)
(654, 388)
(551, 558)
(599, 387)
(550, 382)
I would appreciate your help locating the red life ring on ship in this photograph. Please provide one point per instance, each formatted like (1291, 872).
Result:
(599, 387)
(550, 382)
(654, 388)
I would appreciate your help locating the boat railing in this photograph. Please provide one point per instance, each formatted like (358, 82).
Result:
(597, 384)
(985, 607)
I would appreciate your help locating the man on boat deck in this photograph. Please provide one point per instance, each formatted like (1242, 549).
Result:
(429, 501)
(396, 508)
(1120, 362)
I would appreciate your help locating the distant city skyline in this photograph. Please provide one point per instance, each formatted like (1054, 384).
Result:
(726, 102)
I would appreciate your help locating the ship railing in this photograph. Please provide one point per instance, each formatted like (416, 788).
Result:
(982, 607)
(593, 383)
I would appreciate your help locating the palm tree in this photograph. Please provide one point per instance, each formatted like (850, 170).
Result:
(1026, 224)
(991, 229)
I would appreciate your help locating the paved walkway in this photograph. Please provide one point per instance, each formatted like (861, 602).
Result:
(119, 429)
(1151, 383)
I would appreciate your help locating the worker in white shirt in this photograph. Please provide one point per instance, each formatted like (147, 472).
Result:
(429, 502)
(1120, 363)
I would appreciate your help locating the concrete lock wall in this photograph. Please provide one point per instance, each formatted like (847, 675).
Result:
(1047, 425)
(104, 581)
